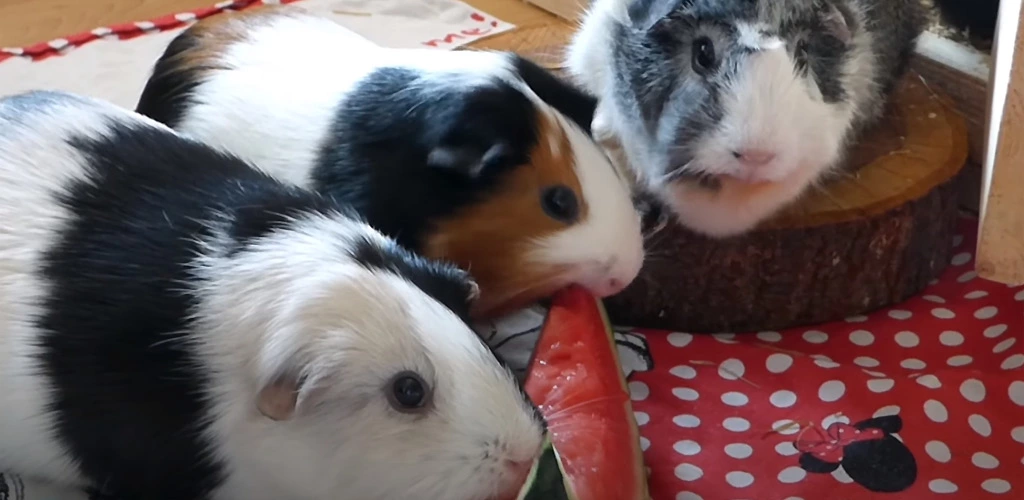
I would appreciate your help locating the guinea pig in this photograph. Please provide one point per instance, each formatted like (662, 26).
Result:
(481, 158)
(175, 324)
(731, 110)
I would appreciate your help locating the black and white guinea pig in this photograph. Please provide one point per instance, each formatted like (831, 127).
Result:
(481, 158)
(730, 110)
(175, 324)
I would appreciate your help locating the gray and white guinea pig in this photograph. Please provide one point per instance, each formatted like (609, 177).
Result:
(481, 158)
(732, 109)
(178, 325)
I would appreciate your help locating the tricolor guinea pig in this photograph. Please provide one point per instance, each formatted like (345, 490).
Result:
(481, 158)
(175, 324)
(732, 109)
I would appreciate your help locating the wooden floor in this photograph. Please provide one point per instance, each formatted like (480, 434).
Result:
(23, 22)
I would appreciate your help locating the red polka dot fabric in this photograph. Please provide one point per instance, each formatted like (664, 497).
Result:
(918, 401)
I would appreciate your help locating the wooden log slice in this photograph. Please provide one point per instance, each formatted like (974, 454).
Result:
(872, 238)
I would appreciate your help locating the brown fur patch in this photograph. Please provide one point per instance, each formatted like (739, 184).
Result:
(212, 36)
(492, 239)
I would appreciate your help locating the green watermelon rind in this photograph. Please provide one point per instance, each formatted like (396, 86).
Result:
(552, 486)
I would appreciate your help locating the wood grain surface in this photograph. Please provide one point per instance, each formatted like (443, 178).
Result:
(24, 22)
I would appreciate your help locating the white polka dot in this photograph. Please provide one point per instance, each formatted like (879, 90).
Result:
(736, 424)
(185, 16)
(638, 391)
(995, 485)
(1018, 434)
(679, 339)
(960, 259)
(973, 390)
(865, 361)
(907, 339)
(913, 364)
(769, 336)
(943, 313)
(689, 472)
(641, 418)
(685, 393)
(1013, 362)
(951, 338)
(738, 450)
(1004, 345)
(782, 399)
(840, 475)
(831, 391)
(886, 411)
(686, 495)
(938, 451)
(995, 331)
(856, 319)
(778, 362)
(957, 239)
(58, 43)
(686, 447)
(936, 411)
(785, 427)
(984, 460)
(644, 443)
(791, 475)
(815, 336)
(1016, 392)
(145, 25)
(965, 277)
(929, 381)
(1019, 296)
(725, 338)
(878, 385)
(977, 294)
(862, 337)
(941, 486)
(101, 32)
(986, 312)
(786, 449)
(900, 314)
(683, 371)
(934, 298)
(739, 479)
(735, 398)
(687, 421)
(831, 419)
(873, 373)
(731, 369)
(959, 360)
(980, 425)
(824, 361)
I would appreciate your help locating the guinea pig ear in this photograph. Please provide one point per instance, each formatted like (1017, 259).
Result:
(279, 399)
(644, 13)
(838, 21)
(468, 160)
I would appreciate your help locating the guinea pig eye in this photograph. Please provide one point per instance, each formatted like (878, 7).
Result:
(703, 55)
(408, 393)
(560, 203)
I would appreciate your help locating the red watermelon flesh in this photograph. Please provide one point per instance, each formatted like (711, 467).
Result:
(576, 381)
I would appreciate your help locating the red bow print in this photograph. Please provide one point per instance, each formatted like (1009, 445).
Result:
(828, 445)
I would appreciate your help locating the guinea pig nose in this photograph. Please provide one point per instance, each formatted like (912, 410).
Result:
(754, 157)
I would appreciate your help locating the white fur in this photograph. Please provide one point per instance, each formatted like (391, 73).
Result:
(767, 108)
(276, 104)
(295, 301)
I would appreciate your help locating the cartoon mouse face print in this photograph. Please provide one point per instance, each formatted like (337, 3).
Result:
(867, 451)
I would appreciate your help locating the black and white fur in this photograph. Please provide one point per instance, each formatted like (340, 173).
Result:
(175, 324)
(731, 109)
(414, 138)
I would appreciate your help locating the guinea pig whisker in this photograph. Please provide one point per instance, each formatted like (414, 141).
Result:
(577, 406)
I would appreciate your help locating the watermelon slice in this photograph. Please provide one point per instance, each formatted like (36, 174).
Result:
(575, 379)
